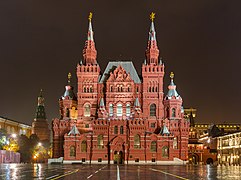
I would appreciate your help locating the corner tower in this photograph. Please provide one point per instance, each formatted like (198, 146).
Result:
(88, 72)
(40, 125)
(152, 74)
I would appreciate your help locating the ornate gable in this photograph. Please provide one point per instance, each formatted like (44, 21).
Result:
(119, 75)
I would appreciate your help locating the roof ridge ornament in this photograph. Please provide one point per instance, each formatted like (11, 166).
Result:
(90, 16)
(152, 16)
(69, 77)
(172, 75)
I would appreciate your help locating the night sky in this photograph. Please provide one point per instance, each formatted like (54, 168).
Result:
(41, 41)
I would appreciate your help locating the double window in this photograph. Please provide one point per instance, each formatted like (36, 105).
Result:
(152, 110)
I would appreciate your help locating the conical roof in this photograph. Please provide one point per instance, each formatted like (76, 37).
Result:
(164, 130)
(74, 131)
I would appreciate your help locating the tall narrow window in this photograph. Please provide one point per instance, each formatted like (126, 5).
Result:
(111, 88)
(91, 89)
(128, 110)
(165, 151)
(87, 110)
(119, 110)
(111, 109)
(173, 112)
(137, 142)
(121, 130)
(72, 151)
(116, 130)
(100, 142)
(152, 110)
(84, 146)
(84, 89)
(153, 146)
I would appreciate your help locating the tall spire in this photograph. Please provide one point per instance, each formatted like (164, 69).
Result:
(152, 51)
(172, 92)
(40, 111)
(89, 51)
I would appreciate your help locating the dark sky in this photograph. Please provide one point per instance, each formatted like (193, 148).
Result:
(42, 40)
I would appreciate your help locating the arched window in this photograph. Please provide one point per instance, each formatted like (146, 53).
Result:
(67, 112)
(137, 89)
(153, 146)
(153, 89)
(84, 146)
(129, 89)
(116, 130)
(87, 89)
(173, 112)
(119, 110)
(72, 151)
(111, 88)
(111, 109)
(100, 142)
(152, 110)
(84, 89)
(137, 142)
(128, 110)
(91, 89)
(156, 89)
(149, 89)
(165, 151)
(87, 110)
(121, 130)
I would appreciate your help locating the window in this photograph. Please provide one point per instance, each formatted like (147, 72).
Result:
(128, 110)
(137, 160)
(83, 159)
(153, 110)
(119, 110)
(137, 142)
(84, 89)
(153, 146)
(152, 125)
(137, 89)
(72, 151)
(87, 125)
(153, 160)
(84, 146)
(91, 89)
(129, 89)
(99, 159)
(116, 130)
(111, 88)
(173, 112)
(87, 110)
(165, 151)
(100, 142)
(121, 130)
(111, 109)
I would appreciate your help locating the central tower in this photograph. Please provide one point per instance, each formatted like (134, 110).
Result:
(88, 72)
(152, 74)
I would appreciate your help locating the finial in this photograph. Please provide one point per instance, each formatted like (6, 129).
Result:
(172, 75)
(90, 16)
(152, 16)
(69, 77)
(41, 93)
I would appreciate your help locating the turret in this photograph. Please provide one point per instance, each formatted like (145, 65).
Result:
(173, 101)
(40, 125)
(68, 102)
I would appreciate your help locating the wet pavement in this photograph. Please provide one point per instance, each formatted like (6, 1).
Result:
(119, 172)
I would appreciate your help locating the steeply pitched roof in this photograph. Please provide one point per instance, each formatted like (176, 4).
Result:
(127, 65)
(74, 131)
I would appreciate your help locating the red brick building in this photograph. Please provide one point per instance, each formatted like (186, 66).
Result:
(119, 116)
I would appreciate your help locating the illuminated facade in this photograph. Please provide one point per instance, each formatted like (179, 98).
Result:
(229, 149)
(120, 117)
(15, 127)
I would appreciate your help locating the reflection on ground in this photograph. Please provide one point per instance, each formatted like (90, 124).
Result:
(105, 172)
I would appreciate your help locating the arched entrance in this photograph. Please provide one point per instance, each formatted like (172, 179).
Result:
(209, 161)
(193, 159)
(118, 157)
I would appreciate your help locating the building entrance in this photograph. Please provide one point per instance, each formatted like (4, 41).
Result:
(118, 157)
